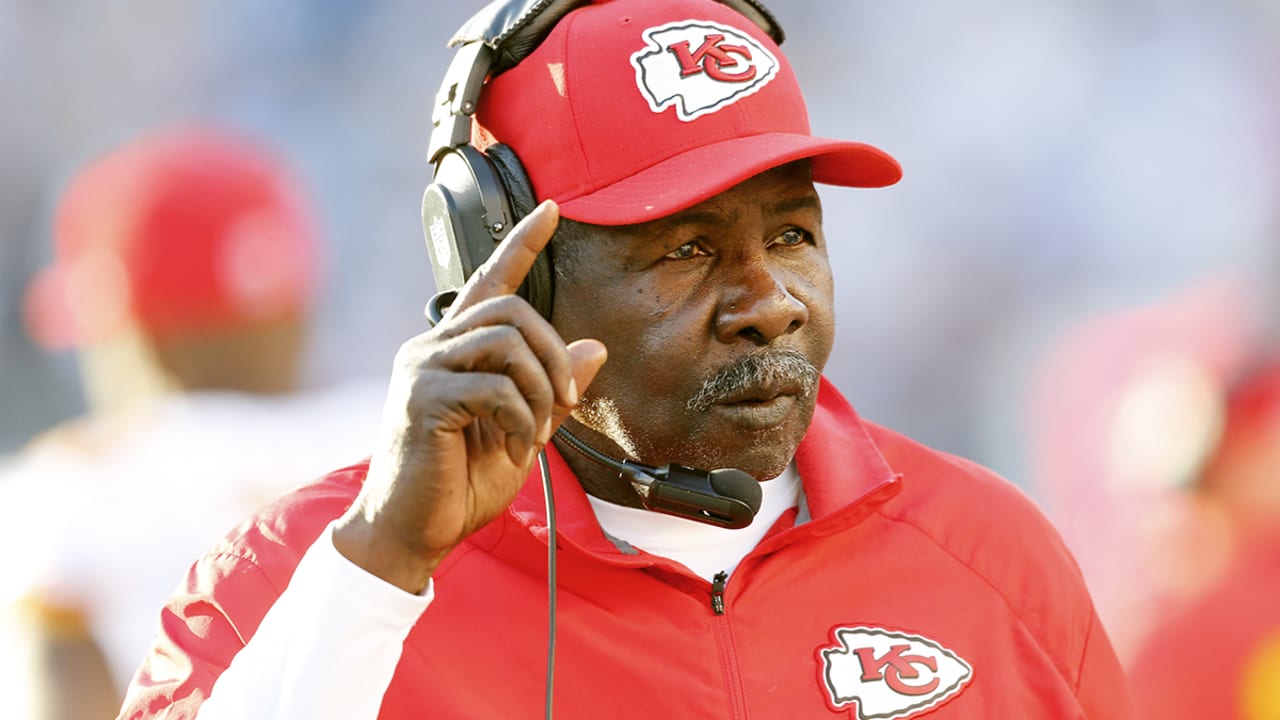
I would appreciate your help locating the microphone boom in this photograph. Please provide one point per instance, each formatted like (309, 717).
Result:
(726, 497)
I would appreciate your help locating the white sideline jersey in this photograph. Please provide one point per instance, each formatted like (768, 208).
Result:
(107, 519)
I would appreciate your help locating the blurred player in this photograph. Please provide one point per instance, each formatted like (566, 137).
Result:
(1123, 411)
(1219, 656)
(186, 268)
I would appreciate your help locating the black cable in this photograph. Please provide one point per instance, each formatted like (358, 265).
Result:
(549, 498)
(595, 455)
(435, 312)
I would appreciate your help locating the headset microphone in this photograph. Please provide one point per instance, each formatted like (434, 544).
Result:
(727, 497)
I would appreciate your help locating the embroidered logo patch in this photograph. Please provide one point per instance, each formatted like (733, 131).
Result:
(888, 674)
(699, 67)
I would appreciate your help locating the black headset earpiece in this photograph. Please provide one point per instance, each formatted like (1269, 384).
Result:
(472, 203)
(539, 285)
(475, 197)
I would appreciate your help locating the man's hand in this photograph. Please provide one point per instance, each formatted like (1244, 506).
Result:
(470, 404)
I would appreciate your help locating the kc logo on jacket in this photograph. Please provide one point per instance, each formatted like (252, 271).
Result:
(888, 674)
(699, 67)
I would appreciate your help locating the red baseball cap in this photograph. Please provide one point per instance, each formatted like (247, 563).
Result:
(182, 231)
(631, 110)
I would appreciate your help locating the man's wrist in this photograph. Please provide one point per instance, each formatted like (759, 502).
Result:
(358, 541)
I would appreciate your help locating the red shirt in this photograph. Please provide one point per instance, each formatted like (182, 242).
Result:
(918, 583)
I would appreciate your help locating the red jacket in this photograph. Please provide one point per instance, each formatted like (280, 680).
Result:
(921, 584)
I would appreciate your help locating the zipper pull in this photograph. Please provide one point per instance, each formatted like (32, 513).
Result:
(717, 592)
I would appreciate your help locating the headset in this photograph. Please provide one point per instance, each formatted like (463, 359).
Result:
(474, 200)
(475, 196)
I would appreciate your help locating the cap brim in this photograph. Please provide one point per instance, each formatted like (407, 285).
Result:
(689, 178)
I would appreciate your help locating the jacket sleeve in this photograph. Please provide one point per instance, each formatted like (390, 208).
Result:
(327, 647)
(1102, 685)
(202, 627)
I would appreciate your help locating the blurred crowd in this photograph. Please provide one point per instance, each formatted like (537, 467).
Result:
(1075, 283)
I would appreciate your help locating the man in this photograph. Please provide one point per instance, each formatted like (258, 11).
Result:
(186, 265)
(878, 579)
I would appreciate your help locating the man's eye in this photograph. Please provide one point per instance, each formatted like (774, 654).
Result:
(685, 251)
(792, 238)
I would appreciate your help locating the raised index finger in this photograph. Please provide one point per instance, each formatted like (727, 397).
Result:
(510, 262)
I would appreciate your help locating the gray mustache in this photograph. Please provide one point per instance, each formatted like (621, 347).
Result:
(752, 371)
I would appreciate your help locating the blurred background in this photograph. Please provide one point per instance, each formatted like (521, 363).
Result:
(1062, 159)
(1079, 263)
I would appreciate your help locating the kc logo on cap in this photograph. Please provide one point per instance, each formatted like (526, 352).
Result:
(699, 67)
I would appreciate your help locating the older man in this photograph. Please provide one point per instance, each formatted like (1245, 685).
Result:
(668, 142)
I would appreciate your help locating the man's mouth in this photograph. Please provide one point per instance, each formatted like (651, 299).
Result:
(755, 413)
(762, 394)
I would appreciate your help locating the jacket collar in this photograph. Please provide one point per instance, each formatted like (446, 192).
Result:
(844, 473)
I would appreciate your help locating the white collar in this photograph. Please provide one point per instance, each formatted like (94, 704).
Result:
(704, 549)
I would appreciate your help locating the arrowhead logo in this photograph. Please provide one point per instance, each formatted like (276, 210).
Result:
(699, 67)
(890, 675)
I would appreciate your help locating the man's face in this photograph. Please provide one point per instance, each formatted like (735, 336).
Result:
(717, 320)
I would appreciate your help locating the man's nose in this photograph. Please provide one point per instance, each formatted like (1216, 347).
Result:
(757, 306)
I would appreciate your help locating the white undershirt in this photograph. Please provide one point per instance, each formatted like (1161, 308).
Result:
(704, 549)
(329, 646)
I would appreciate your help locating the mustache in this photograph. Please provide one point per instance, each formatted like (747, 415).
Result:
(765, 369)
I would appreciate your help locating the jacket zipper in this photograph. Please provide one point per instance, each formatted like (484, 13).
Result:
(725, 650)
(717, 592)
